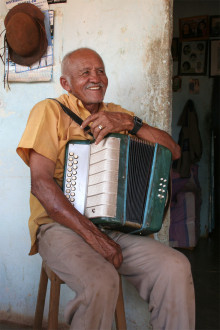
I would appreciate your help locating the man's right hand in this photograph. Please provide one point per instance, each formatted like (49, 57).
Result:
(104, 245)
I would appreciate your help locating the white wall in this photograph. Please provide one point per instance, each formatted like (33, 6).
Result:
(133, 39)
(202, 101)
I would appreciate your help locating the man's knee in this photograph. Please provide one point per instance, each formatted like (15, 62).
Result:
(175, 266)
(105, 281)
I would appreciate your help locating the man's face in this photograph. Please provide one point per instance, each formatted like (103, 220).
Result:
(86, 77)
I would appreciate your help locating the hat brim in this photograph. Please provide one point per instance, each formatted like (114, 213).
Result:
(27, 8)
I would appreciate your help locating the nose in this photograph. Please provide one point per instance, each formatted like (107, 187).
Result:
(94, 77)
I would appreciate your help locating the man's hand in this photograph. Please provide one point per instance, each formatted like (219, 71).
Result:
(105, 246)
(104, 123)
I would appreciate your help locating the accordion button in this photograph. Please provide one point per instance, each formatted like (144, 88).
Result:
(73, 177)
(69, 169)
(68, 191)
(72, 199)
(72, 194)
(74, 172)
(70, 159)
(73, 183)
(161, 184)
(75, 156)
(68, 179)
(70, 163)
(68, 185)
(159, 195)
(161, 179)
(68, 196)
(75, 161)
(73, 188)
(69, 174)
(164, 185)
(74, 167)
(159, 189)
(71, 153)
(165, 180)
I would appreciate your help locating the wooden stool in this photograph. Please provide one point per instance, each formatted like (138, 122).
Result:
(46, 273)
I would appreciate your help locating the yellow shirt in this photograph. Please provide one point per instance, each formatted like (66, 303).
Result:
(47, 132)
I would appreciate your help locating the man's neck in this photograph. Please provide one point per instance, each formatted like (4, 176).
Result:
(92, 108)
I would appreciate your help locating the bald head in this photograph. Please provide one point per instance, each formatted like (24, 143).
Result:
(83, 75)
(72, 57)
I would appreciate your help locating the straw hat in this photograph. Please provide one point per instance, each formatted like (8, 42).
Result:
(25, 34)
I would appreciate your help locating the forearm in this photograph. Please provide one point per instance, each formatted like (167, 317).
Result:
(156, 135)
(60, 209)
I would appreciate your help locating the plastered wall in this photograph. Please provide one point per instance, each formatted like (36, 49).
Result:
(133, 37)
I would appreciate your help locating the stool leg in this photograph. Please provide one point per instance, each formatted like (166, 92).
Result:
(38, 318)
(54, 303)
(120, 320)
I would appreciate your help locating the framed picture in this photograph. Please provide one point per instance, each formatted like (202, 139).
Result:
(214, 64)
(194, 28)
(175, 49)
(193, 58)
(214, 26)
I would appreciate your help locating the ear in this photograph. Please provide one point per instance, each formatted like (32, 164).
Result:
(64, 83)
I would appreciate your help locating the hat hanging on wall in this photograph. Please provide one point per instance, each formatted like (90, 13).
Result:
(25, 34)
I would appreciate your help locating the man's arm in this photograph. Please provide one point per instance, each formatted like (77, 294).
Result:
(115, 122)
(61, 210)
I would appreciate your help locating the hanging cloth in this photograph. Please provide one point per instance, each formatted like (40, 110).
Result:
(189, 139)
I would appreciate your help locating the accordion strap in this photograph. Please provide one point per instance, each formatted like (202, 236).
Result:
(74, 116)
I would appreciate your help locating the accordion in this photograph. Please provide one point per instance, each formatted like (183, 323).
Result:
(120, 184)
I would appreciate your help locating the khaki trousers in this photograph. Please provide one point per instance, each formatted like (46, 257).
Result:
(161, 275)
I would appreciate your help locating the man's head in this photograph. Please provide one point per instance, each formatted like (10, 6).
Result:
(83, 75)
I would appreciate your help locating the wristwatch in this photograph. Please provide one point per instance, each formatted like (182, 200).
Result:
(137, 125)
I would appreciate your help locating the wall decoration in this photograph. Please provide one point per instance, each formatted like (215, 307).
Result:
(193, 58)
(194, 86)
(177, 83)
(175, 49)
(214, 63)
(214, 26)
(194, 28)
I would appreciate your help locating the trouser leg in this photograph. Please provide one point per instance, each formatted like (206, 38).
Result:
(163, 278)
(86, 272)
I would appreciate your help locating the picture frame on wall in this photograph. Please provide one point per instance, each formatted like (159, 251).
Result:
(193, 58)
(214, 26)
(194, 28)
(214, 59)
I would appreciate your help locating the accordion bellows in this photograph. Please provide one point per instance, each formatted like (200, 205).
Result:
(121, 183)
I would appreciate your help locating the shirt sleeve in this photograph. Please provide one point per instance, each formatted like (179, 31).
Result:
(41, 134)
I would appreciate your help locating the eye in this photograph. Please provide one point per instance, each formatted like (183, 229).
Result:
(101, 71)
(85, 73)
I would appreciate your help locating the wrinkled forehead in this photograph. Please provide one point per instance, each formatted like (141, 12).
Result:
(86, 59)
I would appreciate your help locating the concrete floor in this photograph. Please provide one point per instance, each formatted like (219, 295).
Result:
(205, 262)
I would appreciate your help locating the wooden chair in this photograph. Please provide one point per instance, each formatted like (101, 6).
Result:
(47, 273)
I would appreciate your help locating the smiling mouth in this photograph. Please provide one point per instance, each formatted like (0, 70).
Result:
(94, 88)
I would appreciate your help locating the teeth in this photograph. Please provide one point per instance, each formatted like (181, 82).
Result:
(94, 87)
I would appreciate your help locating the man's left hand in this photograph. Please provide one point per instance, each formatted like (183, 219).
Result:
(104, 123)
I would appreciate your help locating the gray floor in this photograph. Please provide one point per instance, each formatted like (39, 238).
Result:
(205, 261)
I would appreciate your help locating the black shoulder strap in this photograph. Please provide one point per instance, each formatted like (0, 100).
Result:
(74, 116)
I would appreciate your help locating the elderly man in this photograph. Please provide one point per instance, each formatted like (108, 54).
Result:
(85, 258)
